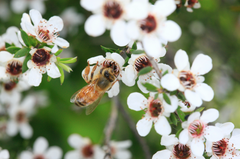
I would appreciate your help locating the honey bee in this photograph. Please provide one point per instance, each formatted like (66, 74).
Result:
(99, 82)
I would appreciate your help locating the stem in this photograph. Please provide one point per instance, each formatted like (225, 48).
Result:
(178, 116)
(109, 129)
(154, 65)
(132, 126)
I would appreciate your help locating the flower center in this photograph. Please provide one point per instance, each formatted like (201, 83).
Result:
(187, 79)
(39, 157)
(9, 86)
(196, 128)
(149, 24)
(112, 64)
(112, 10)
(44, 34)
(181, 151)
(14, 67)
(141, 62)
(87, 151)
(191, 3)
(155, 108)
(41, 57)
(219, 147)
(187, 104)
(21, 117)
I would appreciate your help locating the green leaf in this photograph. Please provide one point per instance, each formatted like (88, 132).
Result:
(13, 49)
(181, 96)
(180, 114)
(165, 73)
(166, 98)
(33, 41)
(108, 49)
(24, 66)
(22, 52)
(173, 119)
(173, 93)
(58, 52)
(62, 74)
(49, 78)
(68, 60)
(150, 87)
(134, 45)
(137, 51)
(25, 38)
(126, 61)
(145, 70)
(65, 67)
(7, 45)
(156, 96)
(178, 132)
(199, 109)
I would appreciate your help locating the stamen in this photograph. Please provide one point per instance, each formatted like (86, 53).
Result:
(9, 86)
(196, 128)
(219, 148)
(141, 62)
(87, 151)
(112, 10)
(181, 151)
(155, 107)
(14, 68)
(112, 64)
(41, 57)
(187, 79)
(149, 24)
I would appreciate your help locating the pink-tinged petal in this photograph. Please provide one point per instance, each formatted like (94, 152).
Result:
(118, 33)
(209, 115)
(144, 126)
(193, 97)
(75, 141)
(236, 132)
(164, 7)
(5, 56)
(169, 140)
(72, 154)
(133, 30)
(152, 46)
(136, 101)
(205, 91)
(26, 130)
(164, 154)
(226, 128)
(26, 155)
(40, 145)
(170, 82)
(12, 128)
(202, 64)
(213, 133)
(55, 23)
(118, 58)
(162, 126)
(34, 77)
(183, 137)
(197, 147)
(114, 90)
(53, 71)
(137, 10)
(95, 25)
(35, 16)
(193, 116)
(171, 31)
(181, 59)
(91, 5)
(54, 152)
(236, 141)
(61, 42)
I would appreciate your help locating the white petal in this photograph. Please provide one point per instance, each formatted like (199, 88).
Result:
(144, 126)
(209, 115)
(152, 46)
(35, 16)
(164, 7)
(208, 146)
(75, 141)
(119, 34)
(91, 5)
(174, 104)
(53, 71)
(162, 126)
(169, 140)
(72, 154)
(193, 97)
(12, 128)
(38, 5)
(18, 6)
(56, 23)
(95, 59)
(202, 64)
(5, 56)
(227, 128)
(129, 76)
(170, 82)
(30, 29)
(114, 90)
(183, 136)
(54, 152)
(193, 116)
(95, 25)
(236, 141)
(213, 133)
(62, 42)
(205, 91)
(34, 77)
(163, 67)
(164, 154)
(171, 31)
(141, 87)
(137, 10)
(55, 48)
(26, 130)
(236, 132)
(28, 103)
(118, 58)
(3, 74)
(181, 59)
(4, 154)
(135, 101)
(133, 30)
(26, 155)
(197, 147)
(40, 145)
(123, 154)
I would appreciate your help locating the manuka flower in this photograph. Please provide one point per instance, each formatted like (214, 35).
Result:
(192, 4)
(119, 149)
(20, 6)
(4, 154)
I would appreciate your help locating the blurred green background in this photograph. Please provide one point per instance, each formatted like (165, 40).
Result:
(214, 29)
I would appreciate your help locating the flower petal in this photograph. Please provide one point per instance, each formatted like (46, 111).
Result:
(174, 104)
(72, 154)
(170, 82)
(236, 141)
(54, 152)
(193, 97)
(95, 25)
(40, 145)
(133, 30)
(118, 58)
(61, 42)
(129, 76)
(205, 91)
(28, 103)
(193, 116)
(226, 128)
(35, 16)
(164, 7)
(163, 154)
(141, 87)
(12, 128)
(91, 5)
(114, 90)
(123, 154)
(5, 56)
(209, 115)
(169, 140)
(136, 101)
(183, 137)
(75, 141)
(236, 132)
(56, 23)
(18, 6)
(137, 10)
(26, 155)
(53, 71)
(181, 59)
(3, 74)
(144, 126)
(162, 126)
(197, 147)
(171, 31)
(152, 46)
(202, 64)
(34, 77)
(213, 133)
(26, 130)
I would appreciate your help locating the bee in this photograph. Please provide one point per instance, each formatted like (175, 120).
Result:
(99, 82)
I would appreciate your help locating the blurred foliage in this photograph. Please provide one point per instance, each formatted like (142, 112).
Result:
(219, 37)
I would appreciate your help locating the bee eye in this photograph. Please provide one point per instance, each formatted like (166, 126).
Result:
(106, 74)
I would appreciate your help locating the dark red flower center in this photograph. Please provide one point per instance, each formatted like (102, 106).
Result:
(21, 117)
(14, 68)
(41, 57)
(9, 86)
(87, 151)
(155, 108)
(39, 157)
(149, 24)
(196, 128)
(141, 62)
(187, 79)
(112, 10)
(181, 151)
(219, 147)
(191, 3)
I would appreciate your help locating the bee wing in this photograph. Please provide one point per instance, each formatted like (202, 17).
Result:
(72, 99)
(94, 105)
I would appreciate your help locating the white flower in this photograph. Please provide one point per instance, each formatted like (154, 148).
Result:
(175, 150)
(192, 4)
(156, 112)
(10, 37)
(186, 106)
(153, 29)
(4, 154)
(19, 6)
(113, 60)
(119, 149)
(41, 62)
(189, 80)
(19, 115)
(45, 31)
(108, 14)
(196, 130)
(41, 150)
(227, 147)
(84, 149)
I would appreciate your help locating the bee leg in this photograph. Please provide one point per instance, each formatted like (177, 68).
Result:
(93, 70)
(86, 73)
